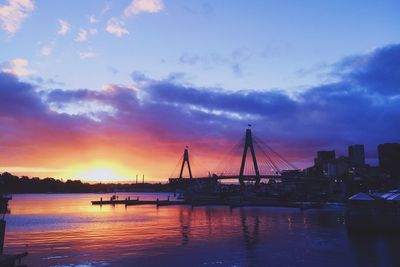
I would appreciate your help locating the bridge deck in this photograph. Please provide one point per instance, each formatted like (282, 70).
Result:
(247, 178)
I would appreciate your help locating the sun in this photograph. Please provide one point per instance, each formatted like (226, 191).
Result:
(102, 172)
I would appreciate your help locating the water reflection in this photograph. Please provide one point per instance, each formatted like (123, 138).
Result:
(251, 234)
(184, 220)
(65, 230)
(375, 250)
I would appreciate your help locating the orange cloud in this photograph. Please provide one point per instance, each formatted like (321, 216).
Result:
(18, 67)
(14, 13)
(144, 6)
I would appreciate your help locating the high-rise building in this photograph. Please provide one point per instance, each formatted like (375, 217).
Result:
(357, 155)
(337, 168)
(325, 156)
(322, 160)
(389, 159)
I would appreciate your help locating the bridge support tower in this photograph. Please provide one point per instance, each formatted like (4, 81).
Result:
(249, 145)
(185, 159)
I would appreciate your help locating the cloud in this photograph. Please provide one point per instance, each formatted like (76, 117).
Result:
(93, 31)
(116, 26)
(46, 51)
(105, 9)
(378, 71)
(328, 116)
(189, 59)
(14, 13)
(18, 99)
(64, 27)
(138, 76)
(165, 115)
(143, 6)
(237, 69)
(39, 81)
(82, 35)
(234, 60)
(17, 67)
(92, 19)
(87, 54)
(28, 124)
(113, 70)
(206, 9)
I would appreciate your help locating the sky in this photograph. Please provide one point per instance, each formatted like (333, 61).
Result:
(105, 90)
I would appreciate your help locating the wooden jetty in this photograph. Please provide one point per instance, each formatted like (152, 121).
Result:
(195, 203)
(135, 202)
(155, 202)
(108, 202)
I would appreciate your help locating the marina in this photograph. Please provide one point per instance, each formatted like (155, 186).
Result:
(159, 133)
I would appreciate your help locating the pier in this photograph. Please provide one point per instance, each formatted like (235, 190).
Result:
(216, 202)
(136, 202)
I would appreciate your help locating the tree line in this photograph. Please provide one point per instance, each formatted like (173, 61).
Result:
(10, 183)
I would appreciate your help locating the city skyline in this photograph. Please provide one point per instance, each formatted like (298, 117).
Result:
(111, 88)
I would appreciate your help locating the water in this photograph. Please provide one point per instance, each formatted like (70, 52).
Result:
(66, 230)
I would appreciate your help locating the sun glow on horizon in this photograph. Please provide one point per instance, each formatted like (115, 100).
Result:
(103, 172)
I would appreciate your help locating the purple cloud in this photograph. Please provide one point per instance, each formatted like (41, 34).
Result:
(363, 106)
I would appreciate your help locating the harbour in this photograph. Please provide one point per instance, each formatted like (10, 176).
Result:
(162, 133)
(206, 235)
(233, 203)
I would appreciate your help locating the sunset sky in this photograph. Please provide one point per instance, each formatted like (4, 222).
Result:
(105, 90)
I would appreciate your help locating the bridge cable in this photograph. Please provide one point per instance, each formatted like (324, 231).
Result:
(276, 153)
(176, 167)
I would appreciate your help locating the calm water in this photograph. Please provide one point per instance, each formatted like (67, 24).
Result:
(65, 230)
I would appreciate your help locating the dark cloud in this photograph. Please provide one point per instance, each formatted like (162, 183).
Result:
(18, 99)
(138, 76)
(29, 128)
(363, 106)
(378, 72)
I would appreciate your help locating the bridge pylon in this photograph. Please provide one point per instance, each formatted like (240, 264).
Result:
(249, 144)
(185, 159)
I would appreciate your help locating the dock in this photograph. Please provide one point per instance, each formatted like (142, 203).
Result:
(109, 202)
(136, 202)
(198, 203)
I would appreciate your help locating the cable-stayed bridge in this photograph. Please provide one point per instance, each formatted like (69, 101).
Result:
(249, 161)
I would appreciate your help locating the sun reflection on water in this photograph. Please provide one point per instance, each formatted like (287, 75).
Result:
(66, 230)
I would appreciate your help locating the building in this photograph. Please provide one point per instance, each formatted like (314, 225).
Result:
(338, 168)
(324, 157)
(322, 161)
(356, 155)
(389, 159)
